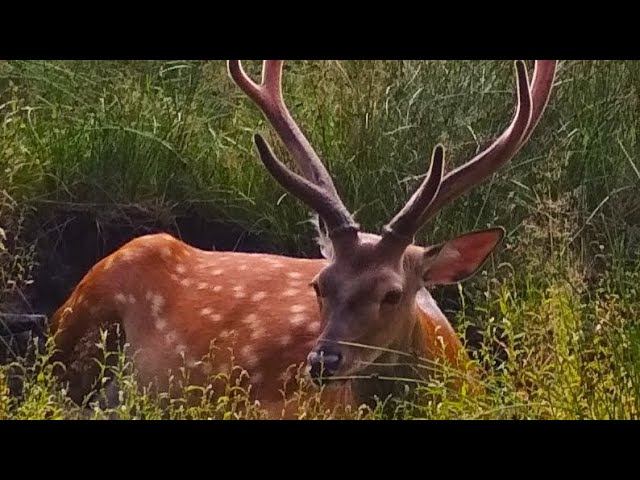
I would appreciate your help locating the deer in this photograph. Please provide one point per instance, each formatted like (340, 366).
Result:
(270, 312)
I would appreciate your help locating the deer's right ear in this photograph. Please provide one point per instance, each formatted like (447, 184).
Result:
(458, 259)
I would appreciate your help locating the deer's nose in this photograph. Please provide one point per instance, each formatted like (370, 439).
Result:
(323, 363)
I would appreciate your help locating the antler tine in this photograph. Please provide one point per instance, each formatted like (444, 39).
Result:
(543, 76)
(338, 220)
(531, 104)
(268, 97)
(272, 77)
(404, 225)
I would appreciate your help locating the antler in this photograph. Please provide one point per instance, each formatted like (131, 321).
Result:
(405, 223)
(531, 104)
(335, 216)
(316, 189)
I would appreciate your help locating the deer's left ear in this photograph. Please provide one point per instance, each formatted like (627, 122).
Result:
(458, 259)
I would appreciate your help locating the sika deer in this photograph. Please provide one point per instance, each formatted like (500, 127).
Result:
(173, 300)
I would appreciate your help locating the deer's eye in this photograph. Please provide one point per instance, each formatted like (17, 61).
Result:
(393, 297)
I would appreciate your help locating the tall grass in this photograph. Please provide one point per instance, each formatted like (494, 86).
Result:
(562, 295)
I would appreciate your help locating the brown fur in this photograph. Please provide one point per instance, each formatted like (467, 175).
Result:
(174, 300)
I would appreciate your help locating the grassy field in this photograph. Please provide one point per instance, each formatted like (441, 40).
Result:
(160, 145)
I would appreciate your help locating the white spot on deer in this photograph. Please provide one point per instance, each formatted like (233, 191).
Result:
(216, 317)
(165, 252)
(298, 308)
(252, 361)
(185, 282)
(79, 299)
(250, 319)
(239, 291)
(243, 267)
(206, 311)
(170, 338)
(202, 285)
(181, 269)
(256, 297)
(298, 319)
(157, 301)
(217, 288)
(276, 264)
(314, 327)
(294, 284)
(290, 292)
(257, 333)
(131, 299)
(174, 277)
(249, 356)
(294, 275)
(120, 298)
(180, 349)
(224, 334)
(218, 271)
(161, 324)
(284, 340)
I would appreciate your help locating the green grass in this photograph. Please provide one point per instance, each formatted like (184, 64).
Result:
(175, 137)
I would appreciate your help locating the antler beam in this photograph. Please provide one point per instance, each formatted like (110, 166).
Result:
(532, 100)
(268, 97)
